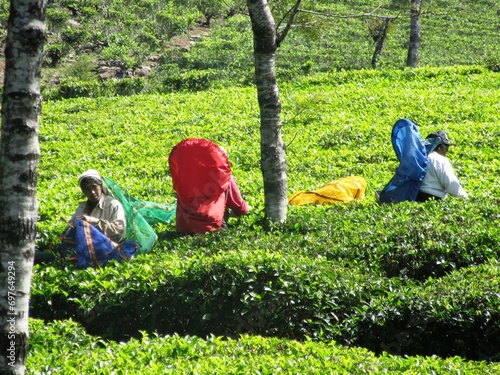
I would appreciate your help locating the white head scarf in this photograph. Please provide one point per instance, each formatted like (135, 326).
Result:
(91, 174)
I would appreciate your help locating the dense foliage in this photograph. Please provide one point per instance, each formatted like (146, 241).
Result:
(183, 51)
(414, 279)
(153, 355)
(337, 289)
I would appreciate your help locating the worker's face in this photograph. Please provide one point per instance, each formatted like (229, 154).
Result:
(442, 149)
(92, 191)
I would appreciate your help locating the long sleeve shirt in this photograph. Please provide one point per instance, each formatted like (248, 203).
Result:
(234, 199)
(440, 179)
(108, 216)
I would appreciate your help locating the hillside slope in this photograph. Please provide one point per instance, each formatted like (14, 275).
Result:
(93, 40)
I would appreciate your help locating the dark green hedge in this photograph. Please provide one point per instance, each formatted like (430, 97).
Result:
(405, 240)
(65, 348)
(291, 297)
(457, 315)
(162, 83)
(248, 292)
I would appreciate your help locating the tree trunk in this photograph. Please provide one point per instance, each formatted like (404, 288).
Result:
(380, 41)
(19, 157)
(273, 159)
(412, 59)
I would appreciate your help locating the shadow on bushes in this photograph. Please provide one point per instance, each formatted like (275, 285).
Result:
(281, 296)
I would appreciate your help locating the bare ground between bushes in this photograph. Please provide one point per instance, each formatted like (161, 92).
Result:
(107, 70)
(183, 42)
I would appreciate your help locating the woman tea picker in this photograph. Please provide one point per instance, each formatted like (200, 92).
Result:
(100, 210)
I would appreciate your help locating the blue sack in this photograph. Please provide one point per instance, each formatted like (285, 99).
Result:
(412, 155)
(93, 248)
(67, 250)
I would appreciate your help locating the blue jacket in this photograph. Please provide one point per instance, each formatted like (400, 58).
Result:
(412, 155)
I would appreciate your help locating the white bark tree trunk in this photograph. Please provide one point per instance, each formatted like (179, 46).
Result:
(412, 59)
(273, 158)
(19, 157)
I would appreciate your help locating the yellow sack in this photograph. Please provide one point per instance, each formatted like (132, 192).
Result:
(345, 190)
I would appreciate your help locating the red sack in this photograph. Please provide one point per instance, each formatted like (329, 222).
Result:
(200, 176)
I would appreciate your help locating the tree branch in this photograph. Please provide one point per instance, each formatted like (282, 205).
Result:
(292, 12)
(361, 15)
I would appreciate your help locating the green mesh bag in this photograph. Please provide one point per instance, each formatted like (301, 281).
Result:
(140, 216)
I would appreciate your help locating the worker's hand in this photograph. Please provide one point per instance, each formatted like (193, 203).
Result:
(232, 214)
(90, 219)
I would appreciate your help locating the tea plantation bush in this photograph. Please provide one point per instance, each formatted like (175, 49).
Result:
(151, 354)
(84, 36)
(407, 279)
(256, 292)
(262, 293)
(455, 315)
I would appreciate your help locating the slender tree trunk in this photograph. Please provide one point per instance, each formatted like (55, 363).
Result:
(19, 156)
(273, 159)
(412, 59)
(380, 41)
